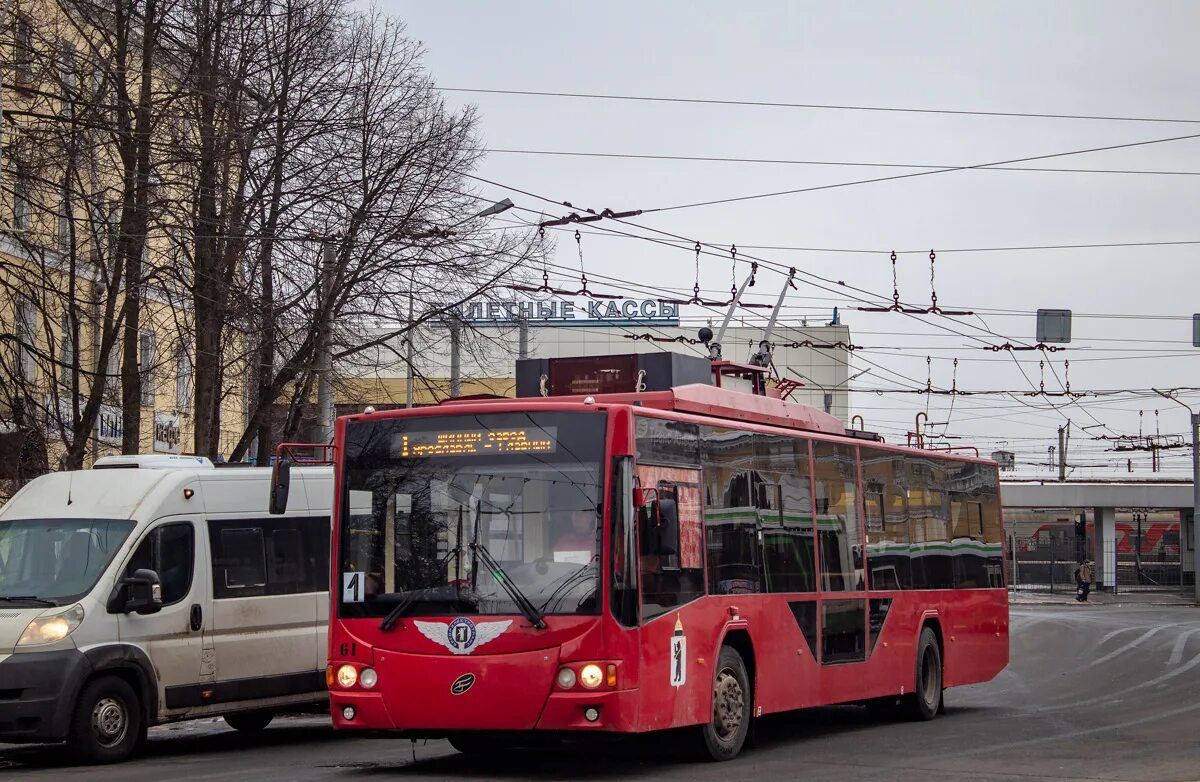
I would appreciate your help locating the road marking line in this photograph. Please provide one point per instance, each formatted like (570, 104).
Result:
(1180, 643)
(1121, 649)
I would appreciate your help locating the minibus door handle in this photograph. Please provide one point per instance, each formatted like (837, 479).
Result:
(197, 617)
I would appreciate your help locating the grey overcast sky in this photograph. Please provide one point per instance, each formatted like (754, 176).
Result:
(1116, 59)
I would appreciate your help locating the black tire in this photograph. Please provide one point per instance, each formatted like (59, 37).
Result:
(925, 702)
(249, 721)
(107, 723)
(723, 737)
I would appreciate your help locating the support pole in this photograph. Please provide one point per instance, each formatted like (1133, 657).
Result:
(1062, 453)
(523, 338)
(1196, 494)
(408, 358)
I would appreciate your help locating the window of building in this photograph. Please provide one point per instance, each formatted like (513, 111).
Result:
(183, 382)
(835, 470)
(20, 202)
(112, 370)
(23, 47)
(64, 220)
(269, 556)
(66, 350)
(146, 360)
(169, 551)
(26, 339)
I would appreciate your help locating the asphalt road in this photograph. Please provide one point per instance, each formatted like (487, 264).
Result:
(1091, 693)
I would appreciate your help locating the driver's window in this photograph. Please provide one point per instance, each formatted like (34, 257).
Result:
(169, 551)
(669, 538)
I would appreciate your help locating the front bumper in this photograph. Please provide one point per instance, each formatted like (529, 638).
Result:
(37, 692)
(508, 692)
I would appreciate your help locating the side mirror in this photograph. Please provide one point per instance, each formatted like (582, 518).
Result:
(139, 593)
(281, 484)
(643, 497)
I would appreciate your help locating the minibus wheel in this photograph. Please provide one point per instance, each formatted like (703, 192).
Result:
(107, 723)
(249, 721)
(733, 701)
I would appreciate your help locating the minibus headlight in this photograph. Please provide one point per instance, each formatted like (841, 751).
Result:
(591, 676)
(347, 675)
(51, 628)
(368, 678)
(565, 678)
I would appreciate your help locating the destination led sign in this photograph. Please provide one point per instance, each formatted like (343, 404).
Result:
(475, 442)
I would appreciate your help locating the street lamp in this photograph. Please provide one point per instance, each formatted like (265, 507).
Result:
(494, 209)
(1195, 421)
(830, 389)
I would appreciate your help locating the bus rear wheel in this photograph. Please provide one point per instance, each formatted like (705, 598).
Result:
(925, 701)
(725, 734)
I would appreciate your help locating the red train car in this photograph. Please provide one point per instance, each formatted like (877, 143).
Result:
(633, 561)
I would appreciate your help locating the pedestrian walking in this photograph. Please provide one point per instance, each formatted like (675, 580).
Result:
(1084, 572)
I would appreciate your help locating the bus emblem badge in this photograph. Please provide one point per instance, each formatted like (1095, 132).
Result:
(678, 659)
(462, 684)
(462, 636)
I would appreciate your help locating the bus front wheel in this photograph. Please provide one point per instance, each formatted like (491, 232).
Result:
(725, 734)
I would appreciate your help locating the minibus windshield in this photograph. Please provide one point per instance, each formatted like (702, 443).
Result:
(58, 560)
(472, 514)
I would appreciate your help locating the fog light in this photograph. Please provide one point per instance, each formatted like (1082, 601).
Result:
(347, 675)
(368, 678)
(348, 713)
(591, 676)
(565, 678)
(591, 714)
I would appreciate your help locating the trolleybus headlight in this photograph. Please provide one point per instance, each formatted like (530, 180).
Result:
(565, 678)
(591, 676)
(368, 678)
(347, 675)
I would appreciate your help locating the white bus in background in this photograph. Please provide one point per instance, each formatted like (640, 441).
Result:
(151, 589)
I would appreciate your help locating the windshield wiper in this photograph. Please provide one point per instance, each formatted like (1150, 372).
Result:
(408, 598)
(514, 592)
(28, 599)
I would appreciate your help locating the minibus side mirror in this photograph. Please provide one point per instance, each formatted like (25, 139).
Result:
(281, 484)
(139, 593)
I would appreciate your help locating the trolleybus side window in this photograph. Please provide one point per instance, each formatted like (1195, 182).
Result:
(885, 480)
(785, 514)
(836, 472)
(730, 511)
(932, 555)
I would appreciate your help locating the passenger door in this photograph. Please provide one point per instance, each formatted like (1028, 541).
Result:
(266, 624)
(173, 637)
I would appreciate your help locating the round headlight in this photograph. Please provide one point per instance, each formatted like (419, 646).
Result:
(591, 676)
(368, 678)
(347, 675)
(566, 678)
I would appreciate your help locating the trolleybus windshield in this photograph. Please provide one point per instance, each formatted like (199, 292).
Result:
(429, 502)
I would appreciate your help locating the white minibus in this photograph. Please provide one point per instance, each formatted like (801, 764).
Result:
(157, 588)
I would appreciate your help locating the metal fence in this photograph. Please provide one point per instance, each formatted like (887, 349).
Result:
(1047, 562)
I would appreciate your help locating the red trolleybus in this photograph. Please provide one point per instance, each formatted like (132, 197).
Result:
(590, 558)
